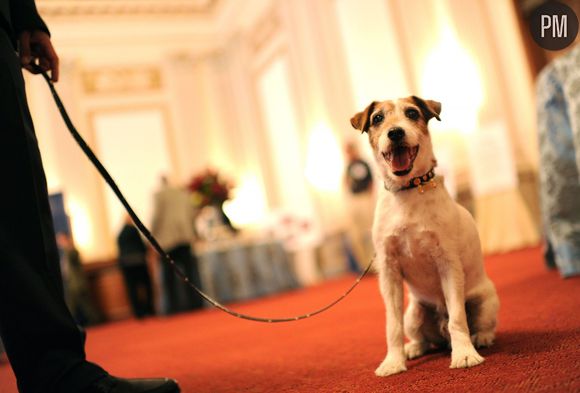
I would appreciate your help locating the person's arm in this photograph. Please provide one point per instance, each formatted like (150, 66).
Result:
(157, 214)
(34, 45)
(25, 17)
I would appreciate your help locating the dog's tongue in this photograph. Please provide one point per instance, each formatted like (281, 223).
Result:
(401, 159)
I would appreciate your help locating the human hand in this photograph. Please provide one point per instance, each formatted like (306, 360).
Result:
(36, 50)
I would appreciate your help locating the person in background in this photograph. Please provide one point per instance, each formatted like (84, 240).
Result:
(359, 183)
(558, 108)
(76, 287)
(173, 226)
(133, 263)
(45, 347)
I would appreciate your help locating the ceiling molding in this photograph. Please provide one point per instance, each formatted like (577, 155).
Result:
(122, 80)
(67, 8)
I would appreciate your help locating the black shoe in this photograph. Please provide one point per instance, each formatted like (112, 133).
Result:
(110, 384)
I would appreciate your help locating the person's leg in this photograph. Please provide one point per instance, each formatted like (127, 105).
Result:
(194, 300)
(185, 296)
(195, 277)
(171, 283)
(140, 295)
(143, 293)
(178, 288)
(43, 343)
(362, 214)
(131, 286)
(145, 283)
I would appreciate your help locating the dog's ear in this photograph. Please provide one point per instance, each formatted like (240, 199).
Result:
(361, 121)
(429, 108)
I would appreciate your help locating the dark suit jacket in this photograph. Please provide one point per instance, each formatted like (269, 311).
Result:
(17, 16)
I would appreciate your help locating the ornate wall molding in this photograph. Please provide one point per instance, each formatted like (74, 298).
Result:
(121, 80)
(64, 8)
(265, 29)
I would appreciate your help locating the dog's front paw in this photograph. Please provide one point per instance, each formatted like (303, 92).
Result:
(483, 339)
(414, 349)
(390, 367)
(463, 358)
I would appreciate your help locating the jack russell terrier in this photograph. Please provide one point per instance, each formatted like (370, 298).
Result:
(421, 236)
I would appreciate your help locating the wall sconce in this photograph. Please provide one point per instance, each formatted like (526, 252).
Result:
(451, 76)
(248, 207)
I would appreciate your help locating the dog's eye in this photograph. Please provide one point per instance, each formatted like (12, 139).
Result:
(412, 114)
(377, 118)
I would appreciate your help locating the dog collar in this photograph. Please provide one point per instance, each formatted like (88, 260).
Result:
(419, 182)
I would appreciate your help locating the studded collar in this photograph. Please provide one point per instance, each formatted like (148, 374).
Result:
(420, 182)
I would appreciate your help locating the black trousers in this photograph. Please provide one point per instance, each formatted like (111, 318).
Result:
(44, 345)
(179, 296)
(139, 290)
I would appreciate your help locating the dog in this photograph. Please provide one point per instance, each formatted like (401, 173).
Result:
(422, 237)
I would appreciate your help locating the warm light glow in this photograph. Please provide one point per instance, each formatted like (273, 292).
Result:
(80, 224)
(53, 182)
(248, 207)
(451, 76)
(324, 163)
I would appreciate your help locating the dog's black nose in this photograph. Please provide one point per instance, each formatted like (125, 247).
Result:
(396, 134)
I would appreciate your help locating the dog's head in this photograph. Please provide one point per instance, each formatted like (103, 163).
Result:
(399, 137)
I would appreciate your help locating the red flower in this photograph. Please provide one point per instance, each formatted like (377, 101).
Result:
(210, 187)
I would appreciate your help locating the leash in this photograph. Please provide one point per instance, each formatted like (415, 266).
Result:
(155, 244)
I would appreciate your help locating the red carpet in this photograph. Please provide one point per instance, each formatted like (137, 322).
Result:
(537, 349)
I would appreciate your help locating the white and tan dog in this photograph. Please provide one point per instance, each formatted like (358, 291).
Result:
(421, 236)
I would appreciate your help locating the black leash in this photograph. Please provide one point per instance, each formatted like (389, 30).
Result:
(143, 229)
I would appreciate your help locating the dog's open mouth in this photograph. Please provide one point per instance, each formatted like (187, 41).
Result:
(401, 158)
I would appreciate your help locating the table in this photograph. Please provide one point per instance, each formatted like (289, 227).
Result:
(233, 270)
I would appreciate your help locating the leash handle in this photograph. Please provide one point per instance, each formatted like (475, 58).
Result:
(151, 239)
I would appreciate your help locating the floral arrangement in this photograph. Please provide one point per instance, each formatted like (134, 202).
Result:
(208, 188)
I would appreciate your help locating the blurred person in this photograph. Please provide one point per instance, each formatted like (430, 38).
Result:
(133, 263)
(558, 105)
(359, 183)
(558, 115)
(43, 343)
(173, 226)
(76, 287)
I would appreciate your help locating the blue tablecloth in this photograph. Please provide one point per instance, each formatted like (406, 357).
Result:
(233, 270)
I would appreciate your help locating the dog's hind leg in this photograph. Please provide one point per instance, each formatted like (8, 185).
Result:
(423, 328)
(415, 319)
(482, 315)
